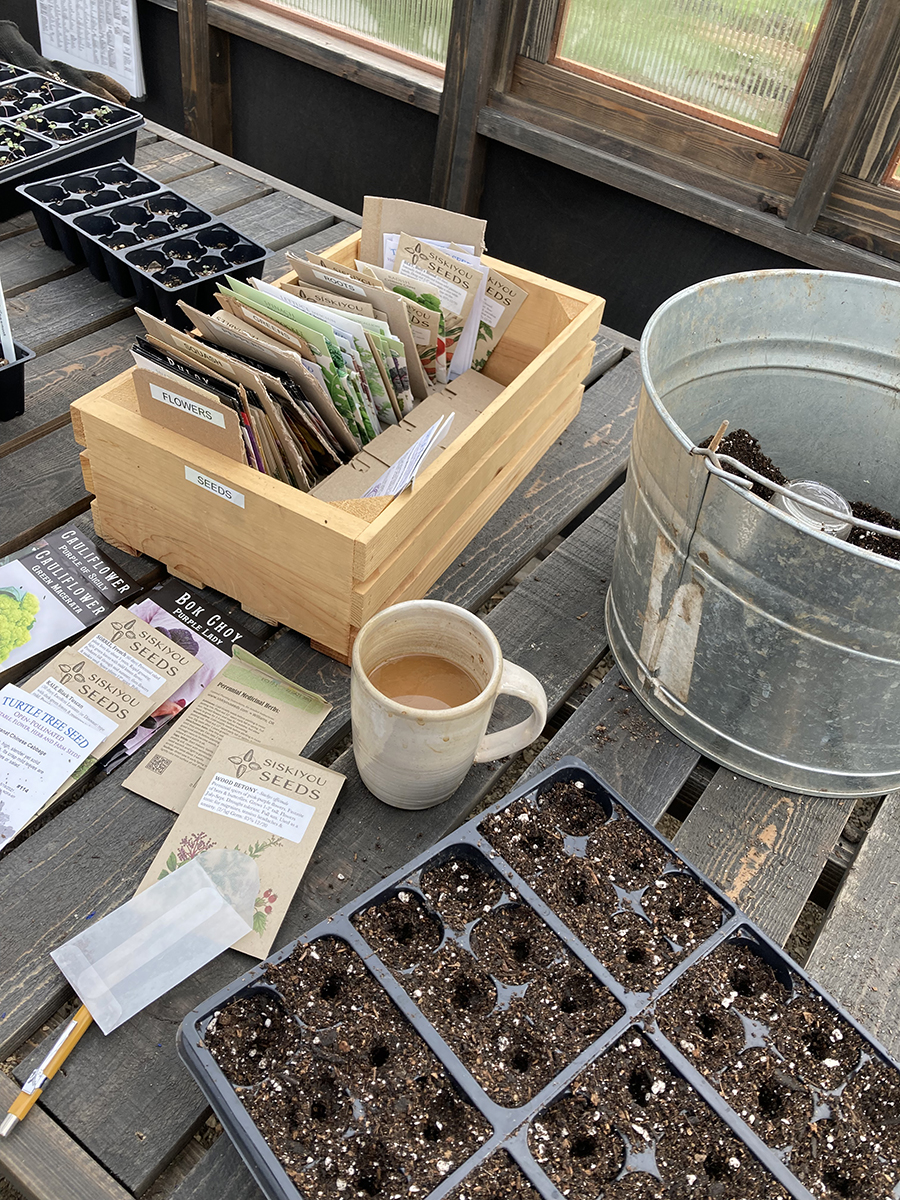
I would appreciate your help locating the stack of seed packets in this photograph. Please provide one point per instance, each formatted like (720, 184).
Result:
(78, 706)
(297, 380)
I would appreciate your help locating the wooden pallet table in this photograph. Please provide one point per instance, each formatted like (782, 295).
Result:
(121, 1120)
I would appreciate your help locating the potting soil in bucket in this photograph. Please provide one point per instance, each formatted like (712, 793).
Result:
(549, 1002)
(768, 644)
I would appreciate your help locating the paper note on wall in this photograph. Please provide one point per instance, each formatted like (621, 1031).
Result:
(94, 35)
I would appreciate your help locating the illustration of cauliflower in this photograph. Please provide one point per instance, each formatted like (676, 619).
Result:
(18, 612)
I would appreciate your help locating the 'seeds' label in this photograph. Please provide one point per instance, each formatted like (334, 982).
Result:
(212, 485)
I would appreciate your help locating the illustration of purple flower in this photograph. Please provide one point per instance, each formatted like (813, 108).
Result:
(193, 844)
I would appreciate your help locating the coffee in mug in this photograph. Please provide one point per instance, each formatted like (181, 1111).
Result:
(425, 676)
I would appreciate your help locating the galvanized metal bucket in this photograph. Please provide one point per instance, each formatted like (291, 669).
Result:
(771, 647)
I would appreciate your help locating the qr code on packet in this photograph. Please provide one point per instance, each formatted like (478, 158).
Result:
(159, 763)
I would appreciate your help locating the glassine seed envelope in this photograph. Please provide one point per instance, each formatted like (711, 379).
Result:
(139, 951)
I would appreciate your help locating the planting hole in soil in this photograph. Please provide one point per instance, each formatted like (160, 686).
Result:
(507, 995)
(461, 891)
(252, 1038)
(630, 1126)
(609, 880)
(401, 929)
(356, 1107)
(799, 1074)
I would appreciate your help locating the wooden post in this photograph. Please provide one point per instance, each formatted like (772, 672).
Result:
(484, 38)
(205, 76)
(847, 109)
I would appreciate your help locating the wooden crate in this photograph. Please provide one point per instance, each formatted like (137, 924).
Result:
(293, 559)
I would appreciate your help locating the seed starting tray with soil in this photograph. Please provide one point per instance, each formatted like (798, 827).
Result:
(143, 238)
(548, 1003)
(45, 124)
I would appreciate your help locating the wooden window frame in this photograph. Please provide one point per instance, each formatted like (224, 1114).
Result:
(595, 126)
(499, 86)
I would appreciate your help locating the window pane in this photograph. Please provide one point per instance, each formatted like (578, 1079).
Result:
(418, 26)
(740, 59)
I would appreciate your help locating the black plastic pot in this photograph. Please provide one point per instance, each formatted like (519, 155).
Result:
(188, 267)
(12, 384)
(382, 947)
(58, 201)
(49, 125)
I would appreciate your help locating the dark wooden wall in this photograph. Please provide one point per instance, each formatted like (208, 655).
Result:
(634, 253)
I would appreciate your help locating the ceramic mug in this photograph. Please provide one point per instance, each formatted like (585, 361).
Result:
(416, 757)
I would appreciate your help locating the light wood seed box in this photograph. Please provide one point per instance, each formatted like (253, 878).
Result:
(296, 560)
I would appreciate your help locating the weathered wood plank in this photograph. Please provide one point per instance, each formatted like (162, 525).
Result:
(271, 181)
(13, 226)
(583, 464)
(54, 380)
(145, 137)
(277, 220)
(43, 1163)
(63, 311)
(875, 144)
(319, 48)
(480, 31)
(278, 264)
(828, 57)
(27, 261)
(615, 736)
(220, 189)
(540, 626)
(221, 1173)
(846, 110)
(40, 488)
(205, 76)
(857, 956)
(606, 354)
(765, 848)
(167, 161)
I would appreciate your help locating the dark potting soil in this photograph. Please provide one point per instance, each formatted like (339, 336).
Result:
(350, 1099)
(878, 543)
(631, 1127)
(746, 449)
(513, 1003)
(498, 1178)
(796, 1071)
(612, 883)
(460, 891)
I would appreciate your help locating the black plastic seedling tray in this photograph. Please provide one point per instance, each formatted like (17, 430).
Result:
(145, 239)
(55, 202)
(12, 384)
(189, 266)
(550, 1002)
(46, 125)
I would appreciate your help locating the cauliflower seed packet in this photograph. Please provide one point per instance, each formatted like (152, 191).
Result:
(52, 591)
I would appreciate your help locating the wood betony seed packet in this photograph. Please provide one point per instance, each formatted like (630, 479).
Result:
(268, 804)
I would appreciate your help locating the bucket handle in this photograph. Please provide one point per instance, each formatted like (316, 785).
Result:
(714, 463)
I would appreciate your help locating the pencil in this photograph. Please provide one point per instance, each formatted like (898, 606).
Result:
(41, 1076)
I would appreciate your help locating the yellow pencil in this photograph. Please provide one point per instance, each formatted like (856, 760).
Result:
(40, 1076)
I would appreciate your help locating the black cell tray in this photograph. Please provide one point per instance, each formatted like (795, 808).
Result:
(12, 384)
(145, 239)
(51, 125)
(519, 1129)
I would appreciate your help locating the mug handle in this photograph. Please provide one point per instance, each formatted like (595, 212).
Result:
(515, 681)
